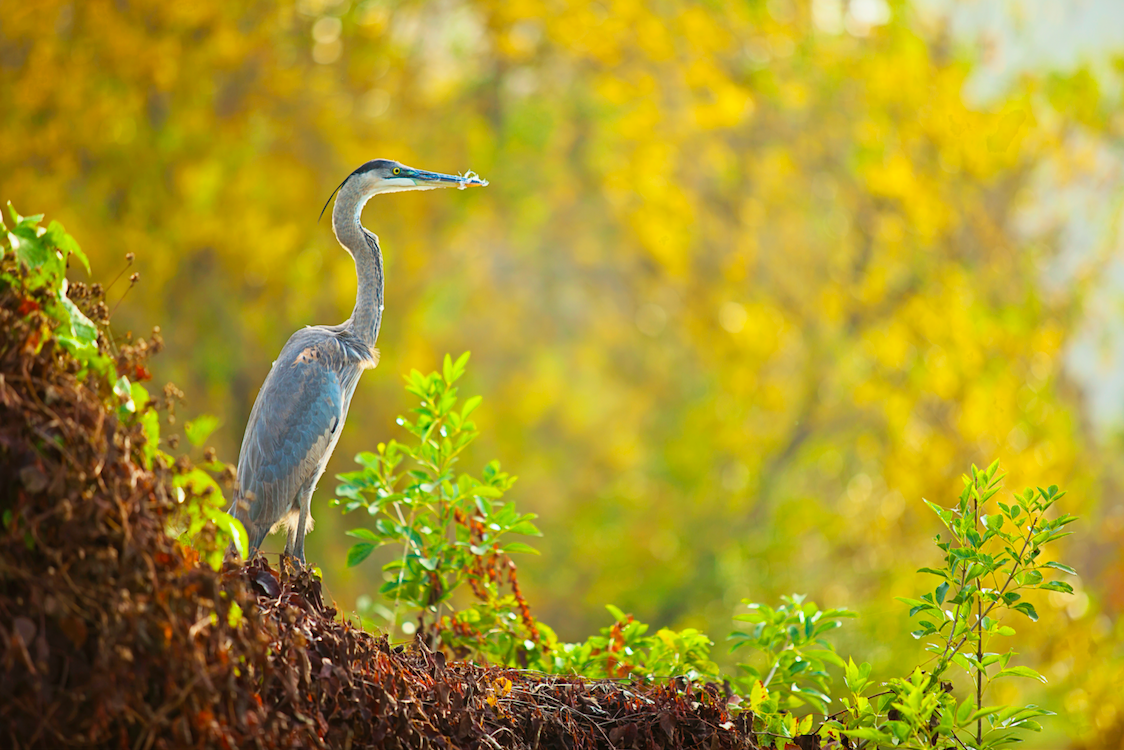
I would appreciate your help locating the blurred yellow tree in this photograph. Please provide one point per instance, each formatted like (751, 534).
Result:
(745, 287)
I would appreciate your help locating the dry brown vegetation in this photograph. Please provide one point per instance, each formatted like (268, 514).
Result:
(114, 635)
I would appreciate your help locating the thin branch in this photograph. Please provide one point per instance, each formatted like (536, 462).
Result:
(979, 632)
(1010, 577)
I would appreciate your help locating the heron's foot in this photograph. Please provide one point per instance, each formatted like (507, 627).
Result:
(234, 559)
(294, 552)
(294, 562)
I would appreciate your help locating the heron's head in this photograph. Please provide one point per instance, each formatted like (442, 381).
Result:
(387, 176)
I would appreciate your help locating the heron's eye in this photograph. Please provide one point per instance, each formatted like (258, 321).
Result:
(397, 170)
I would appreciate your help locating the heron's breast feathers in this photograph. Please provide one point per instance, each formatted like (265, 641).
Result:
(371, 361)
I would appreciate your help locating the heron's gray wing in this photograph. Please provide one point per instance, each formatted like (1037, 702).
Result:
(296, 415)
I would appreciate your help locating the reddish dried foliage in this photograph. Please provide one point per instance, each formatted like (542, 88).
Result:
(112, 636)
(492, 569)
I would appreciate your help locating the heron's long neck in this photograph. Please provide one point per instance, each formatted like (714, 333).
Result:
(367, 316)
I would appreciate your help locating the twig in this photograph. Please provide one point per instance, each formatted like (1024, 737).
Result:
(776, 663)
(979, 631)
(129, 257)
(132, 282)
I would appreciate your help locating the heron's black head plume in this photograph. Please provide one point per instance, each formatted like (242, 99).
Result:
(333, 195)
(369, 166)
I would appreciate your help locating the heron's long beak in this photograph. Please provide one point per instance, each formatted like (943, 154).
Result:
(423, 179)
(407, 178)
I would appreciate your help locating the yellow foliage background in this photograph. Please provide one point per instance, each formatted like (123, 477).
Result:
(744, 289)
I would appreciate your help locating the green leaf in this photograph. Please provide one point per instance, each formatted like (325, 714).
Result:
(201, 484)
(964, 661)
(917, 605)
(975, 571)
(200, 428)
(964, 712)
(1062, 568)
(32, 223)
(150, 424)
(35, 254)
(366, 534)
(358, 553)
(520, 547)
(617, 613)
(63, 241)
(1027, 609)
(831, 658)
(461, 363)
(934, 571)
(123, 391)
(944, 514)
(233, 528)
(1020, 672)
(900, 730)
(470, 405)
(234, 617)
(870, 733)
(1060, 586)
(82, 327)
(139, 394)
(984, 713)
(525, 527)
(149, 421)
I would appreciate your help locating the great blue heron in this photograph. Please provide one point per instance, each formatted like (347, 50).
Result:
(300, 409)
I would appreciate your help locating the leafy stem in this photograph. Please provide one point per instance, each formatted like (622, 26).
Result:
(451, 528)
(1018, 561)
(980, 551)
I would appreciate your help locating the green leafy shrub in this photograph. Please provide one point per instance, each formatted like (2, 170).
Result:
(994, 552)
(450, 529)
(42, 256)
(790, 640)
(451, 532)
(626, 650)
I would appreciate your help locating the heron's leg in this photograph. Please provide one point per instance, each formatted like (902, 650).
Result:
(256, 533)
(291, 543)
(256, 536)
(295, 545)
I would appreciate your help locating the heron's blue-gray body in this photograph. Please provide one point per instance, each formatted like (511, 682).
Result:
(307, 394)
